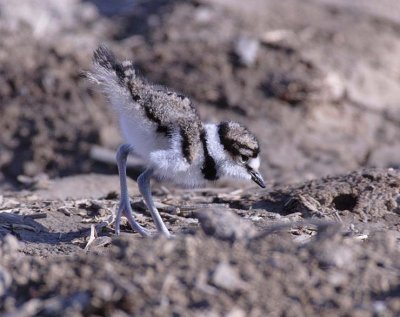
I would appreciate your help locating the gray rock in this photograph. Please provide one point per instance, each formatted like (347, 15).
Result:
(5, 281)
(226, 277)
(246, 48)
(225, 225)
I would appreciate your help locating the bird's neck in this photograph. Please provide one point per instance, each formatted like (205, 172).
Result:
(215, 148)
(225, 167)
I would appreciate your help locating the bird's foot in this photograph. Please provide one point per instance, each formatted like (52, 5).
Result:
(125, 209)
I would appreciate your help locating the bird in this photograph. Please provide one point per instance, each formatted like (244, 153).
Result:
(163, 127)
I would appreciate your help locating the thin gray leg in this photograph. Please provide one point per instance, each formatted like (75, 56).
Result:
(144, 187)
(124, 208)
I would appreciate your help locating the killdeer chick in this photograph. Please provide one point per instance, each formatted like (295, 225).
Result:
(164, 128)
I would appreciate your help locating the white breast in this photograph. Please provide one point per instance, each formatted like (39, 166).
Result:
(138, 131)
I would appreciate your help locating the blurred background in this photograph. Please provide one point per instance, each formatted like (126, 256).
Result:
(318, 81)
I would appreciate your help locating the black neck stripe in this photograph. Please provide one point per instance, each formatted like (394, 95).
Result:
(209, 169)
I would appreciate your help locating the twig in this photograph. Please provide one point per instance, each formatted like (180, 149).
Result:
(92, 237)
(36, 216)
(104, 155)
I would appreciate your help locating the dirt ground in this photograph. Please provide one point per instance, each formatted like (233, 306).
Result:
(318, 83)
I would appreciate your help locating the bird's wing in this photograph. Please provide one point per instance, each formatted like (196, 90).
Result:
(174, 112)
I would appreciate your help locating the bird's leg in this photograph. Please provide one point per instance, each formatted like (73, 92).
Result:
(124, 208)
(144, 187)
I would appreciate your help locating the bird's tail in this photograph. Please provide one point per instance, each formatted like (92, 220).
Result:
(115, 78)
(103, 57)
(107, 69)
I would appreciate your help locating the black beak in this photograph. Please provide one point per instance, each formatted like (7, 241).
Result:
(257, 178)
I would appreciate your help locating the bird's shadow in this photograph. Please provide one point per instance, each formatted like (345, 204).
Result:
(27, 229)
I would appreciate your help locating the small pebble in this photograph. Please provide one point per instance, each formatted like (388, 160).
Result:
(226, 277)
(246, 48)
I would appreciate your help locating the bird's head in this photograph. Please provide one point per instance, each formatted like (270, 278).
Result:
(242, 152)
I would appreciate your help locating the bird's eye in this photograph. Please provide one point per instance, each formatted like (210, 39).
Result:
(244, 158)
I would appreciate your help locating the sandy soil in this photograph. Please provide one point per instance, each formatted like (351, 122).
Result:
(317, 81)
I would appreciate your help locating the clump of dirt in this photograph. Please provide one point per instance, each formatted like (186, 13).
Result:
(271, 262)
(272, 75)
(49, 115)
(198, 276)
(367, 196)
